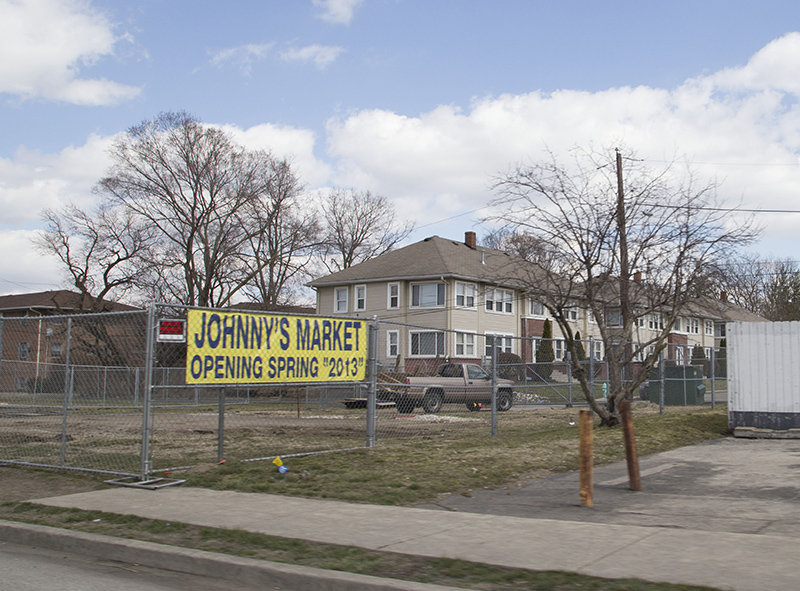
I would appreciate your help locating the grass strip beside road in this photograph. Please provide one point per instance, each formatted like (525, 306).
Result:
(441, 571)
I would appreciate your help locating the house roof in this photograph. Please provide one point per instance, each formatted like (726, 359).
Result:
(436, 257)
(53, 302)
(724, 310)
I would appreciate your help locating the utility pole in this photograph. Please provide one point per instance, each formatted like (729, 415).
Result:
(624, 302)
(624, 271)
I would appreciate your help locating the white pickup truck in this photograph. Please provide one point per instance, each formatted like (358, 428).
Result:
(464, 383)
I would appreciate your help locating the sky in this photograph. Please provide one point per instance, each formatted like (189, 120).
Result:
(423, 101)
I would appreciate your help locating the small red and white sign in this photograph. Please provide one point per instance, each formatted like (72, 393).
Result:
(171, 331)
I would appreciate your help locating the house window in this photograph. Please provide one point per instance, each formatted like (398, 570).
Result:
(537, 308)
(392, 343)
(719, 330)
(427, 295)
(598, 350)
(361, 298)
(503, 344)
(655, 322)
(427, 343)
(55, 350)
(465, 295)
(614, 317)
(500, 300)
(709, 327)
(679, 355)
(340, 299)
(677, 326)
(692, 325)
(559, 349)
(571, 314)
(638, 352)
(23, 350)
(393, 296)
(465, 344)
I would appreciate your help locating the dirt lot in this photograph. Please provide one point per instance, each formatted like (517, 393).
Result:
(23, 484)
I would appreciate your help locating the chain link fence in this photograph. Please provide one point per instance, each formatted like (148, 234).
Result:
(71, 391)
(108, 393)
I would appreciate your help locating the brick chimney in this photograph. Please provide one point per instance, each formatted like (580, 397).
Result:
(723, 296)
(637, 277)
(471, 239)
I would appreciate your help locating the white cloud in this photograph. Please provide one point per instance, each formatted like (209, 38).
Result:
(297, 145)
(31, 181)
(337, 11)
(243, 56)
(775, 66)
(44, 45)
(738, 126)
(27, 270)
(321, 55)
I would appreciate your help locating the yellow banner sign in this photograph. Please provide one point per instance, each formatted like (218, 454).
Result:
(246, 348)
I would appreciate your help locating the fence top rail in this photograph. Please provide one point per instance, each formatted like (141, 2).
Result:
(186, 307)
(238, 386)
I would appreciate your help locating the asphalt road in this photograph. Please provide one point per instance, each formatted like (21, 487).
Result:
(24, 568)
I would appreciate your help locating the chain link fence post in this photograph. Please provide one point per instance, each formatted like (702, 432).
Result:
(372, 377)
(147, 394)
(661, 383)
(713, 378)
(494, 387)
(67, 396)
(591, 365)
(569, 378)
(221, 427)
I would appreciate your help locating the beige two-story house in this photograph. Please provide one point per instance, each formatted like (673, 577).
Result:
(441, 298)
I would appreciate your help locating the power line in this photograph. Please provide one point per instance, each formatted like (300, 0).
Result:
(720, 209)
(450, 218)
(726, 163)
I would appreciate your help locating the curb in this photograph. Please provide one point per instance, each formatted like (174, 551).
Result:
(200, 562)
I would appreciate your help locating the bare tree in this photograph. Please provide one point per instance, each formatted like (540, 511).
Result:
(519, 243)
(284, 248)
(770, 288)
(359, 226)
(202, 193)
(101, 250)
(782, 292)
(607, 228)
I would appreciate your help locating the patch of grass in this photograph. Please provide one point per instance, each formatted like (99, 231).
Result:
(442, 571)
(419, 471)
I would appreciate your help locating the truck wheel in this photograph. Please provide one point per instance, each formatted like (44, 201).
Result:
(432, 403)
(504, 400)
(404, 407)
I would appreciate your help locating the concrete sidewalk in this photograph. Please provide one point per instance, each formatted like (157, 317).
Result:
(692, 534)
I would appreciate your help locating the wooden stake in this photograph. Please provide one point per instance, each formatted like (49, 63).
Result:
(586, 461)
(630, 445)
